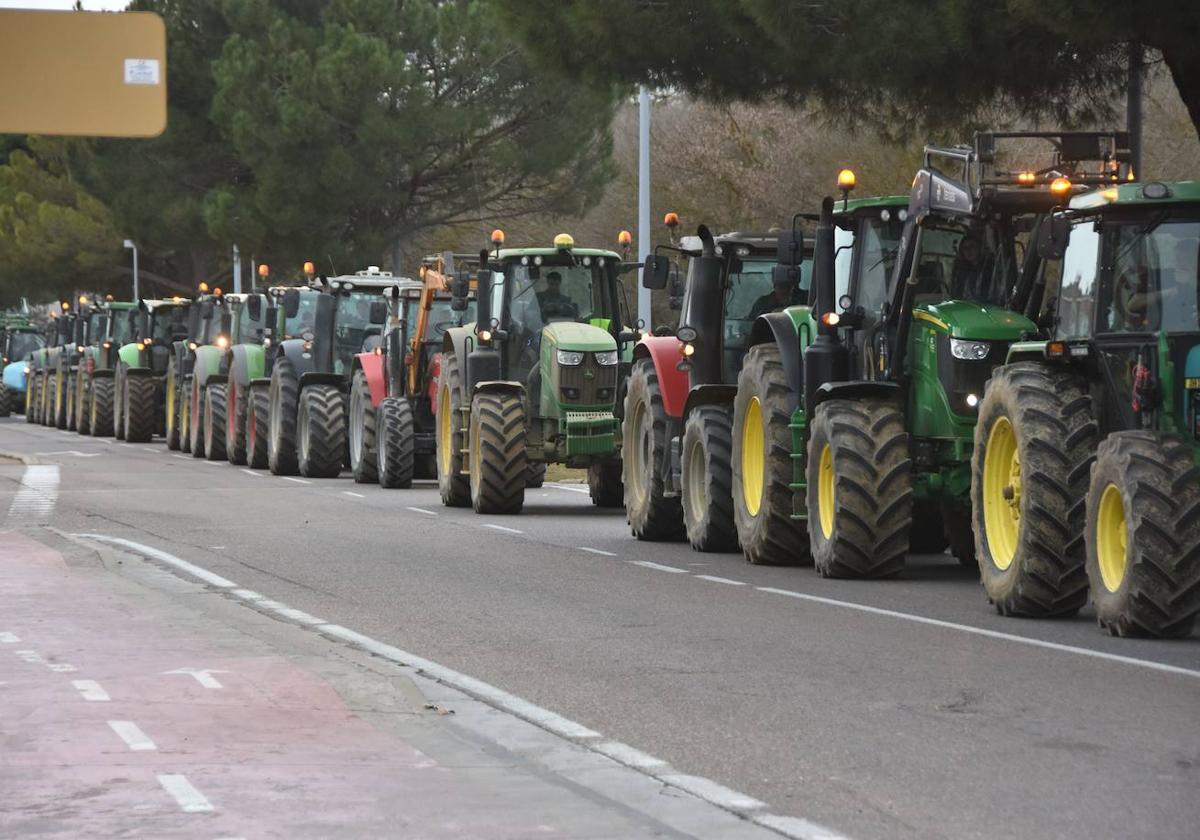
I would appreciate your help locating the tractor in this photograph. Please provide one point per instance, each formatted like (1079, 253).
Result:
(139, 404)
(536, 379)
(392, 390)
(310, 377)
(63, 363)
(111, 325)
(886, 422)
(1085, 474)
(679, 402)
(767, 513)
(20, 340)
(207, 317)
(37, 370)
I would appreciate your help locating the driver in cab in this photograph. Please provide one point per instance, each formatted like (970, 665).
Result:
(783, 294)
(553, 302)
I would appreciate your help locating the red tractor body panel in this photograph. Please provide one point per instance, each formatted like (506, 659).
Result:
(372, 366)
(663, 350)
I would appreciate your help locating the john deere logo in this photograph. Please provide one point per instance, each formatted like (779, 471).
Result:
(589, 374)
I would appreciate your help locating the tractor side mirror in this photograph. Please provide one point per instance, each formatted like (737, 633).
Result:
(655, 272)
(254, 308)
(379, 312)
(291, 303)
(460, 290)
(1054, 233)
(790, 249)
(783, 275)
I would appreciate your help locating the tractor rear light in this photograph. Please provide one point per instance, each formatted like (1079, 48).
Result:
(378, 351)
(969, 351)
(687, 349)
(106, 345)
(485, 336)
(570, 358)
(972, 400)
(1056, 350)
(222, 341)
(1026, 179)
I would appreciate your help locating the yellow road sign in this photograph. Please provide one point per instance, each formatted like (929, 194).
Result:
(83, 73)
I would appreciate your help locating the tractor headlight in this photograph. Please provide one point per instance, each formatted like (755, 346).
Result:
(606, 357)
(570, 358)
(970, 351)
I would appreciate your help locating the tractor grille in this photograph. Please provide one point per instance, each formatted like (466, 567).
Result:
(587, 383)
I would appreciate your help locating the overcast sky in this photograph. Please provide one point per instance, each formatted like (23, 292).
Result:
(89, 5)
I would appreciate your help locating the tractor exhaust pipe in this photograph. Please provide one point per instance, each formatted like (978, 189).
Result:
(827, 359)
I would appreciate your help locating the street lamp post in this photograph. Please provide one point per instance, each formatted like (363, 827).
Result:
(130, 246)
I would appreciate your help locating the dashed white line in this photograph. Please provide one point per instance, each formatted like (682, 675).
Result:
(422, 510)
(716, 579)
(355, 495)
(185, 795)
(659, 567)
(211, 463)
(254, 473)
(204, 676)
(31, 656)
(134, 738)
(91, 690)
(595, 551)
(297, 480)
(181, 457)
(572, 489)
(503, 528)
(61, 667)
(9, 638)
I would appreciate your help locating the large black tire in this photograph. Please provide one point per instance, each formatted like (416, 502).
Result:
(650, 513)
(77, 383)
(1034, 445)
(604, 483)
(119, 400)
(258, 426)
(196, 415)
(31, 399)
(185, 414)
(101, 408)
(171, 406)
(535, 477)
(139, 409)
(50, 399)
(928, 532)
(498, 458)
(394, 441)
(321, 432)
(214, 422)
(859, 489)
(706, 478)
(6, 401)
(455, 488)
(83, 407)
(763, 500)
(235, 422)
(1143, 535)
(284, 405)
(62, 399)
(362, 431)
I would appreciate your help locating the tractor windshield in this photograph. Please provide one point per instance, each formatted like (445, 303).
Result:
(540, 295)
(168, 324)
(352, 325)
(305, 319)
(22, 344)
(122, 328)
(960, 263)
(750, 294)
(1151, 280)
(879, 243)
(442, 318)
(95, 327)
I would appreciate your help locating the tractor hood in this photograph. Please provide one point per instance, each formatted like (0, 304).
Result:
(568, 335)
(981, 321)
(130, 354)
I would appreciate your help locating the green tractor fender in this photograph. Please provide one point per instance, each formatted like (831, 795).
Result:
(457, 340)
(130, 355)
(791, 331)
(206, 366)
(856, 390)
(247, 362)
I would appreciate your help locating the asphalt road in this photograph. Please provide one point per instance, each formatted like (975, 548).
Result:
(893, 709)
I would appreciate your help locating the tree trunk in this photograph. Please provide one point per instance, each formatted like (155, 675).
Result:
(397, 255)
(1184, 64)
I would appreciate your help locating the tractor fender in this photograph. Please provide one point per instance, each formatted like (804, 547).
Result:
(301, 359)
(138, 371)
(184, 357)
(313, 377)
(709, 395)
(459, 341)
(371, 365)
(855, 390)
(103, 373)
(206, 366)
(663, 350)
(779, 329)
(246, 362)
(130, 354)
(499, 386)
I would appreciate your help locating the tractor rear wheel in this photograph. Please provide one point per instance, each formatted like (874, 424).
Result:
(171, 406)
(284, 403)
(1143, 535)
(139, 409)
(5, 401)
(83, 407)
(859, 489)
(235, 422)
(604, 483)
(119, 401)
(321, 432)
(455, 487)
(100, 419)
(1034, 445)
(196, 418)
(498, 459)
(31, 399)
(535, 477)
(394, 443)
(763, 500)
(185, 413)
(651, 514)
(214, 422)
(62, 399)
(48, 407)
(258, 426)
(74, 399)
(362, 431)
(706, 477)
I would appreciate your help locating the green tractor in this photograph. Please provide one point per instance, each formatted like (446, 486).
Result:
(63, 362)
(768, 512)
(1085, 471)
(253, 328)
(111, 325)
(38, 368)
(207, 318)
(139, 404)
(18, 341)
(536, 379)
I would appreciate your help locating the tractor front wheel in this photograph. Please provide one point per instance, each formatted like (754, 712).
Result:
(284, 403)
(604, 483)
(83, 407)
(652, 515)
(48, 400)
(139, 409)
(859, 489)
(707, 477)
(235, 422)
(394, 443)
(535, 476)
(5, 401)
(498, 459)
(321, 432)
(171, 407)
(101, 412)
(119, 401)
(31, 399)
(258, 427)
(363, 431)
(1143, 535)
(455, 487)
(214, 422)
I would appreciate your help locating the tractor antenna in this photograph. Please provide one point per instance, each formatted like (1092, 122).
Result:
(331, 265)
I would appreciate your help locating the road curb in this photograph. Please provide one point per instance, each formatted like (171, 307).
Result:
(27, 460)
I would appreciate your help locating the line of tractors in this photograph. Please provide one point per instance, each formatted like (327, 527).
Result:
(1003, 364)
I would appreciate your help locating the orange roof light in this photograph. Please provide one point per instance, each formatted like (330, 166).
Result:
(309, 268)
(624, 238)
(83, 300)
(108, 297)
(671, 220)
(1026, 178)
(1060, 186)
(497, 237)
(203, 287)
(846, 180)
(66, 306)
(217, 291)
(264, 269)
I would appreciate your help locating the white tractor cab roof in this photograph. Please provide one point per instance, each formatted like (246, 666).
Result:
(370, 279)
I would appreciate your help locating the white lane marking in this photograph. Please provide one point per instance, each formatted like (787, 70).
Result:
(422, 510)
(61, 667)
(981, 631)
(658, 567)
(217, 547)
(204, 676)
(572, 489)
(289, 612)
(184, 457)
(355, 495)
(628, 755)
(74, 452)
(297, 480)
(162, 556)
(595, 551)
(134, 738)
(185, 795)
(716, 579)
(91, 690)
(796, 828)
(248, 594)
(31, 656)
(502, 528)
(254, 473)
(9, 638)
(37, 495)
(711, 791)
(212, 463)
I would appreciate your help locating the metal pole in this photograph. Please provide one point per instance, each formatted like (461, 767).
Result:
(237, 270)
(135, 274)
(1133, 108)
(253, 273)
(643, 295)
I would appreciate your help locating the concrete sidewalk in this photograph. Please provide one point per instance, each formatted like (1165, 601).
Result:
(138, 704)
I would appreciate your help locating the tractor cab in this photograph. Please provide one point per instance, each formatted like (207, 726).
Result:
(358, 316)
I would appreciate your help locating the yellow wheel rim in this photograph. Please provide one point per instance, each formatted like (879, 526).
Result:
(444, 431)
(1002, 493)
(753, 457)
(170, 403)
(825, 496)
(1112, 538)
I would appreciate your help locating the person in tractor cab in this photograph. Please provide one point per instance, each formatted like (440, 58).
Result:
(783, 294)
(553, 302)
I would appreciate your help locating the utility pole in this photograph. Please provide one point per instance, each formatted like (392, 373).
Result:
(643, 294)
(1133, 108)
(237, 270)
